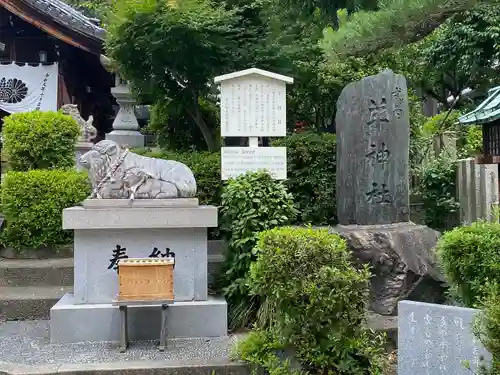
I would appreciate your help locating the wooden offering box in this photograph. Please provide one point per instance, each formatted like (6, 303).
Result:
(146, 279)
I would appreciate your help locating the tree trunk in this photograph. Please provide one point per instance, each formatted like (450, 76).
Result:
(197, 117)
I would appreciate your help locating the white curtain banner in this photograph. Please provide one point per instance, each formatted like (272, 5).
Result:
(25, 88)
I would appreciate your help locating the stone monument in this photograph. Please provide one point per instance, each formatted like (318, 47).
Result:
(373, 133)
(437, 339)
(140, 207)
(88, 131)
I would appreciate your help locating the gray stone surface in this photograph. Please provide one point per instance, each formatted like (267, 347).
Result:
(384, 324)
(118, 173)
(48, 272)
(32, 302)
(39, 253)
(80, 149)
(139, 217)
(72, 322)
(28, 343)
(141, 203)
(373, 133)
(95, 282)
(435, 339)
(403, 262)
(128, 138)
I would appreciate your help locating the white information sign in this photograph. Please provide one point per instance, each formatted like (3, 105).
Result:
(238, 160)
(253, 104)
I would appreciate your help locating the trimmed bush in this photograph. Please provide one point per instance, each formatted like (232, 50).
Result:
(319, 299)
(206, 169)
(32, 204)
(251, 203)
(311, 175)
(470, 259)
(487, 329)
(40, 140)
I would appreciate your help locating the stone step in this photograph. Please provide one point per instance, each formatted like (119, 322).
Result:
(36, 272)
(29, 303)
(59, 272)
(385, 324)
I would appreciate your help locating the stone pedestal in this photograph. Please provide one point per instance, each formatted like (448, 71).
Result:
(80, 149)
(125, 126)
(108, 230)
(126, 138)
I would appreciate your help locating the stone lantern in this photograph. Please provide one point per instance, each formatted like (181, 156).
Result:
(125, 126)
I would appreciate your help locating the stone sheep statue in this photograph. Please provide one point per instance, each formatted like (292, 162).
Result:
(117, 173)
(88, 132)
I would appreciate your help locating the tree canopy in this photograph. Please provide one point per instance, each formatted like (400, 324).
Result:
(171, 50)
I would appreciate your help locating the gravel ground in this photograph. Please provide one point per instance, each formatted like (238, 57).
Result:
(27, 342)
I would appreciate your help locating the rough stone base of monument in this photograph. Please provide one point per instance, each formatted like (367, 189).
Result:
(71, 322)
(126, 138)
(403, 261)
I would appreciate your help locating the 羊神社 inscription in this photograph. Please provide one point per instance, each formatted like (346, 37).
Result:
(373, 133)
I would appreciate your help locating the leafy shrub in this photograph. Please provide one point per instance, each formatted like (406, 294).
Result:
(437, 189)
(262, 349)
(175, 128)
(470, 260)
(472, 141)
(320, 299)
(206, 169)
(487, 329)
(311, 175)
(40, 140)
(251, 203)
(441, 122)
(32, 204)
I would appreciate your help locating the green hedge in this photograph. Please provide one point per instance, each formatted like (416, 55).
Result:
(205, 166)
(251, 203)
(32, 204)
(470, 259)
(311, 175)
(39, 140)
(318, 299)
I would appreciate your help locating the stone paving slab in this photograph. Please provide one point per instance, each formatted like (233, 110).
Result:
(25, 349)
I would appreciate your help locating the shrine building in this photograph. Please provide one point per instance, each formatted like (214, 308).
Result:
(50, 56)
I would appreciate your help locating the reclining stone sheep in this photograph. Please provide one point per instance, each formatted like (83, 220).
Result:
(117, 173)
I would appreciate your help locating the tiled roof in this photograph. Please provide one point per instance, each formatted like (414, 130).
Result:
(487, 111)
(65, 15)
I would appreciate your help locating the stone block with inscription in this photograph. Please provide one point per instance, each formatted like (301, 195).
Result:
(373, 134)
(437, 339)
(109, 230)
